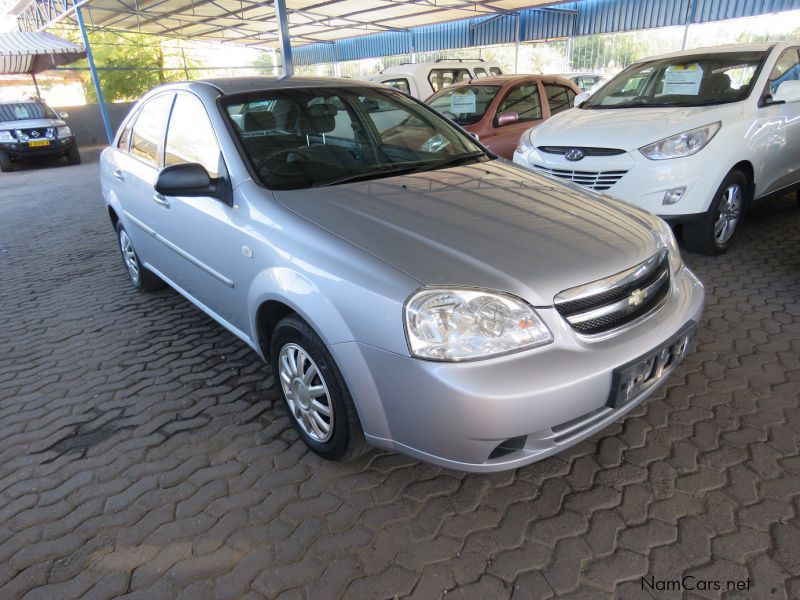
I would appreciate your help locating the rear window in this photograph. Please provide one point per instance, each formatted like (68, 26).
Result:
(19, 111)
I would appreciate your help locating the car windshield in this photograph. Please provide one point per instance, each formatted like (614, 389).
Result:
(20, 111)
(310, 137)
(465, 105)
(698, 80)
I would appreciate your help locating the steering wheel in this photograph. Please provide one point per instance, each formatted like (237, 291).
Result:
(434, 144)
(286, 155)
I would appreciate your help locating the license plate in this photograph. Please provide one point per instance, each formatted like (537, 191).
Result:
(36, 143)
(631, 380)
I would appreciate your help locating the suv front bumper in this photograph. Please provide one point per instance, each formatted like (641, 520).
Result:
(23, 151)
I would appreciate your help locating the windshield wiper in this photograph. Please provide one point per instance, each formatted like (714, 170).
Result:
(401, 169)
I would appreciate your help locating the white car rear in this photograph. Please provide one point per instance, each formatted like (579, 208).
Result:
(693, 137)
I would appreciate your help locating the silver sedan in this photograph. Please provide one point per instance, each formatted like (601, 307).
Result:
(409, 289)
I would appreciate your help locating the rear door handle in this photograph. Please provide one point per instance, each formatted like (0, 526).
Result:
(159, 199)
(118, 174)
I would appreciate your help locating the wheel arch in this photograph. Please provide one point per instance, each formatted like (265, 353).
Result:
(746, 168)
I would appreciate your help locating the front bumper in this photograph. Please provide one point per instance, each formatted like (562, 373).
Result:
(645, 182)
(22, 151)
(456, 415)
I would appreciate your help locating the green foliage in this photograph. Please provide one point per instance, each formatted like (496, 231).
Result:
(264, 64)
(145, 62)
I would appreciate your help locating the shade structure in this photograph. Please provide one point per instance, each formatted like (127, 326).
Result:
(34, 52)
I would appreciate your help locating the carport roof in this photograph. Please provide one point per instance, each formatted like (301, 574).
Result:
(253, 22)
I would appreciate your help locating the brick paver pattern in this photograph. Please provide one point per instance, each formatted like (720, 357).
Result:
(143, 453)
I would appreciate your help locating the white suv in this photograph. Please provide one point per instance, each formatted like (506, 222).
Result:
(424, 79)
(693, 137)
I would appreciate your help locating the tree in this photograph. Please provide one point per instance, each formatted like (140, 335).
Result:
(141, 60)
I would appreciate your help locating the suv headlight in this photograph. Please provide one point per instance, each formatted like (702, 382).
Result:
(680, 145)
(5, 136)
(525, 144)
(465, 324)
(667, 238)
(63, 132)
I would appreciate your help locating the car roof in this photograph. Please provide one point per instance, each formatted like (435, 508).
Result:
(754, 47)
(506, 80)
(442, 64)
(238, 85)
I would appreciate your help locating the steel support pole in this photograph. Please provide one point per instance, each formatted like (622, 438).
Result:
(516, 46)
(95, 78)
(36, 85)
(283, 37)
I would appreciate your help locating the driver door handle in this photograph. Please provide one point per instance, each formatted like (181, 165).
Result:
(161, 200)
(118, 174)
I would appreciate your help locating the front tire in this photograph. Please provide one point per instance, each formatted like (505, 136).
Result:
(140, 278)
(314, 392)
(5, 162)
(74, 156)
(713, 233)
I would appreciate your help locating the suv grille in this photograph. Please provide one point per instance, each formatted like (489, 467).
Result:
(597, 180)
(38, 133)
(609, 303)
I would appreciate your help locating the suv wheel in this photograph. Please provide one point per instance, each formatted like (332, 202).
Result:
(714, 231)
(142, 279)
(74, 156)
(5, 162)
(314, 393)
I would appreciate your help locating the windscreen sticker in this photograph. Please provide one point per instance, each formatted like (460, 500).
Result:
(20, 112)
(462, 103)
(683, 80)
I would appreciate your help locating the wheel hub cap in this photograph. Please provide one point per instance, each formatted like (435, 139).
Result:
(306, 392)
(129, 255)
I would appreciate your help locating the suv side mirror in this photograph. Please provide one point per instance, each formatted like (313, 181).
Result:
(788, 91)
(192, 179)
(581, 98)
(507, 118)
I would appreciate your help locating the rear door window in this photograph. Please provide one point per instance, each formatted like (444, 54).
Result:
(479, 72)
(148, 132)
(398, 84)
(559, 97)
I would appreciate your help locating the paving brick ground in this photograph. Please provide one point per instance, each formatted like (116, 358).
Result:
(142, 453)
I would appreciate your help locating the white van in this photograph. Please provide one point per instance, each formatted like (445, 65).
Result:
(423, 79)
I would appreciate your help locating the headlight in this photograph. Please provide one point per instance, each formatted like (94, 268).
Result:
(63, 132)
(5, 136)
(464, 324)
(667, 238)
(525, 144)
(683, 144)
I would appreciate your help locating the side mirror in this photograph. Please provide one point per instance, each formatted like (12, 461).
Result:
(507, 118)
(63, 115)
(192, 179)
(581, 98)
(788, 91)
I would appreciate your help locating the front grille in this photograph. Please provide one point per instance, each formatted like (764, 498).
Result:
(596, 180)
(610, 303)
(36, 133)
(587, 151)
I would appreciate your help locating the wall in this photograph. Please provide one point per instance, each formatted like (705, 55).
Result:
(87, 122)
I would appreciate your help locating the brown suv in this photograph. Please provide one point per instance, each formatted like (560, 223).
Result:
(498, 110)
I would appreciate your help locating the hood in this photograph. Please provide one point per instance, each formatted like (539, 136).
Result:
(625, 128)
(491, 225)
(31, 124)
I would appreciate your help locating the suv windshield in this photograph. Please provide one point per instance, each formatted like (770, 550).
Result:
(697, 80)
(20, 111)
(465, 105)
(300, 138)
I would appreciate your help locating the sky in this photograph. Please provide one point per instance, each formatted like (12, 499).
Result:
(6, 21)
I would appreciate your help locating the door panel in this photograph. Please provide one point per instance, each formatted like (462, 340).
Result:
(524, 100)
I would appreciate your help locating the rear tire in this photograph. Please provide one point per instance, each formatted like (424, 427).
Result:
(713, 233)
(74, 156)
(314, 392)
(5, 162)
(140, 278)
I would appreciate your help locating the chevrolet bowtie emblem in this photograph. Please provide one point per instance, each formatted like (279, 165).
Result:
(637, 297)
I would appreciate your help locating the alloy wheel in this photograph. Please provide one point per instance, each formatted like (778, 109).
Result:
(730, 211)
(129, 255)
